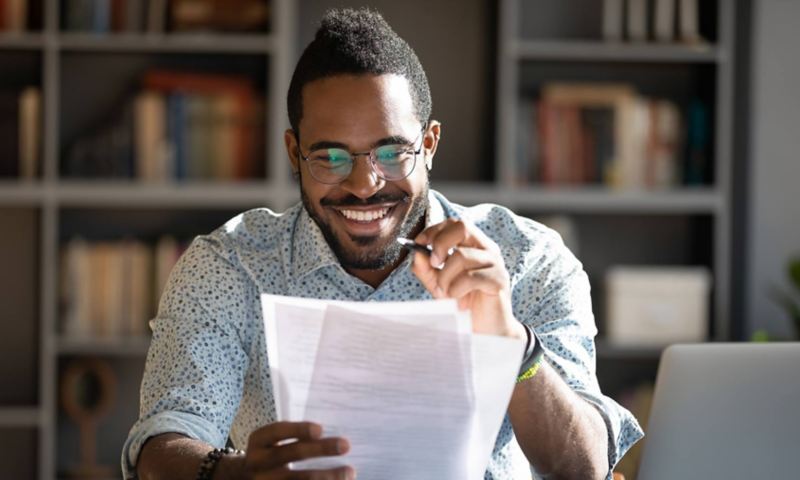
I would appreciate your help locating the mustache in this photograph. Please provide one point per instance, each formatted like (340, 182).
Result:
(353, 201)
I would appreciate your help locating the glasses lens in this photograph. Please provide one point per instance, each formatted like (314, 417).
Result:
(330, 165)
(395, 162)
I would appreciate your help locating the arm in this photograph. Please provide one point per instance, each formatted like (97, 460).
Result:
(194, 378)
(562, 435)
(544, 407)
(171, 456)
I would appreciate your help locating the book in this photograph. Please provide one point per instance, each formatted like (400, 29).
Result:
(150, 136)
(16, 16)
(688, 22)
(613, 14)
(156, 16)
(219, 15)
(636, 20)
(109, 288)
(664, 20)
(30, 132)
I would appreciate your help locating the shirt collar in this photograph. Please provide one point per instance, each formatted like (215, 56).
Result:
(310, 250)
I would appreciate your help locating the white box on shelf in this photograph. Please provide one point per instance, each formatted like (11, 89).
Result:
(654, 306)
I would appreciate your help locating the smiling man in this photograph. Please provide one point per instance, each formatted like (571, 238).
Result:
(361, 143)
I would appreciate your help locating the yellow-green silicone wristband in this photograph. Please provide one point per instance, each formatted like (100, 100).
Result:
(529, 373)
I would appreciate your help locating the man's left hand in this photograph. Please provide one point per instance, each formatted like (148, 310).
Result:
(467, 265)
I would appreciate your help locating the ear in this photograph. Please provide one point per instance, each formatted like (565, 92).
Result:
(290, 140)
(431, 142)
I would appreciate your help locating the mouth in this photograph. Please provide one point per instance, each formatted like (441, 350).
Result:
(366, 221)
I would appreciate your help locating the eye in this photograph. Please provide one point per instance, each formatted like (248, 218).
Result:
(334, 157)
(389, 154)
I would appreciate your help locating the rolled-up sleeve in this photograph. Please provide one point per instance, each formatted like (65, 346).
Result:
(553, 296)
(195, 367)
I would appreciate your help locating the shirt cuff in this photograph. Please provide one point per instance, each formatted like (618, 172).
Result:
(183, 423)
(623, 429)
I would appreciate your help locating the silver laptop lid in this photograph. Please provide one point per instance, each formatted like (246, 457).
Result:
(725, 411)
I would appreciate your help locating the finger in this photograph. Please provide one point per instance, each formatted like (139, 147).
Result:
(275, 457)
(490, 281)
(273, 433)
(463, 259)
(426, 274)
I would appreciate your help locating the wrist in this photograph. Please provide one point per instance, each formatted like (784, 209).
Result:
(230, 467)
(222, 464)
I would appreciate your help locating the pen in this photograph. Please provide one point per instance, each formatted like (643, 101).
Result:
(415, 247)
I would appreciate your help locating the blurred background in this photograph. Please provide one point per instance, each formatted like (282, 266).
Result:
(659, 137)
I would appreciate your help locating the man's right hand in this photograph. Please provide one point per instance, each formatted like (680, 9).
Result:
(271, 448)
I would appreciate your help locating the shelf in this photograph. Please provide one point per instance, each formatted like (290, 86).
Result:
(592, 51)
(117, 347)
(158, 43)
(189, 194)
(587, 199)
(20, 417)
(21, 41)
(20, 193)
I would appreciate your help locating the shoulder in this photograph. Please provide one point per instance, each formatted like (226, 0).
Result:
(256, 230)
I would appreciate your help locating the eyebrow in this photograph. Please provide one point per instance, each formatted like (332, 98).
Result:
(391, 140)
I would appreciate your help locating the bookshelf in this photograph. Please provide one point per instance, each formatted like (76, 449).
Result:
(562, 41)
(81, 75)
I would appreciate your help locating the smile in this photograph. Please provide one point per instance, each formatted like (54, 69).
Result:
(364, 215)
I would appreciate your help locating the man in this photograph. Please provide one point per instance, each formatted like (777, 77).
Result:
(361, 143)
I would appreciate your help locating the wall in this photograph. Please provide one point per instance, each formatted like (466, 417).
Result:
(774, 183)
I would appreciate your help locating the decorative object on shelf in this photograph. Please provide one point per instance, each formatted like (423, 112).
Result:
(648, 306)
(88, 390)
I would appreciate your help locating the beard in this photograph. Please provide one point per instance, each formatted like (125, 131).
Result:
(371, 252)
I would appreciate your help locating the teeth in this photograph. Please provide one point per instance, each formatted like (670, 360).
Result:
(364, 216)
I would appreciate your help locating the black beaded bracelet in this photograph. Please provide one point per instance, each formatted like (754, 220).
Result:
(206, 469)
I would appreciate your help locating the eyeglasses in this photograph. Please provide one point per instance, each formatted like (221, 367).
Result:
(390, 162)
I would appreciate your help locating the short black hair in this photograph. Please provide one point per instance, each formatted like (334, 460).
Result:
(357, 42)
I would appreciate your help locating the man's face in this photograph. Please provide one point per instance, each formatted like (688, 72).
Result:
(362, 216)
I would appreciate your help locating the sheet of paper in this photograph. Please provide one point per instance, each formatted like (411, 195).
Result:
(298, 323)
(401, 394)
(495, 364)
(380, 374)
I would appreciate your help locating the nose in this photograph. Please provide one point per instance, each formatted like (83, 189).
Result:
(363, 181)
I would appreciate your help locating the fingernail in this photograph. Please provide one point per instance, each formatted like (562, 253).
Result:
(438, 291)
(435, 260)
(342, 446)
(315, 431)
(420, 238)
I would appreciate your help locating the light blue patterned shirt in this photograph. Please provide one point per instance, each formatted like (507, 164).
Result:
(207, 375)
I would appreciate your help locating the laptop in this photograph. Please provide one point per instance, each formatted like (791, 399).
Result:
(725, 411)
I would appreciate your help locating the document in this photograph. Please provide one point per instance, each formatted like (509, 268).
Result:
(407, 383)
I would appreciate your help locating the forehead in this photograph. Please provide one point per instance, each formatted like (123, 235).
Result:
(352, 106)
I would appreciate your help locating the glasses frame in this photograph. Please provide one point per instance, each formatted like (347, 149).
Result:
(371, 155)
